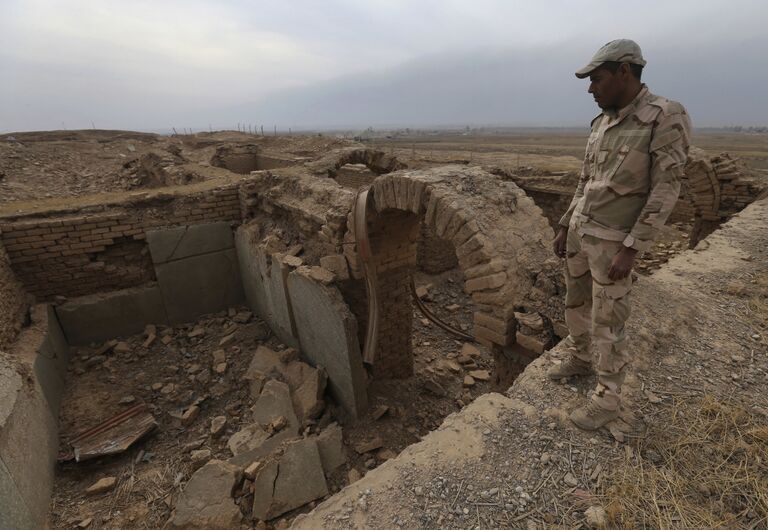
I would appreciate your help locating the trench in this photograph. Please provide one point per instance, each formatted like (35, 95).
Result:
(170, 367)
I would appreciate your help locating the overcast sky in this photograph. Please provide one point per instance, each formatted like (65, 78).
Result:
(152, 65)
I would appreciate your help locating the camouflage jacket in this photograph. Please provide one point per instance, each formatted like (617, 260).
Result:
(630, 179)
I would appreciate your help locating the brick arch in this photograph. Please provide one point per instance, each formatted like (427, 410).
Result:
(500, 236)
(377, 161)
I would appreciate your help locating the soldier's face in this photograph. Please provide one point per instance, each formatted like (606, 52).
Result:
(606, 87)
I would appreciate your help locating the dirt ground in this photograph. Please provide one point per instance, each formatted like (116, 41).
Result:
(169, 377)
(69, 164)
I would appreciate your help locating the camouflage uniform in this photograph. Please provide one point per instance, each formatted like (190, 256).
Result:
(629, 183)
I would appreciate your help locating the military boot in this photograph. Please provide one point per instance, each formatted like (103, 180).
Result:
(570, 367)
(592, 416)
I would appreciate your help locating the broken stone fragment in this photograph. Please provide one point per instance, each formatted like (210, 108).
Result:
(330, 443)
(469, 381)
(379, 411)
(337, 264)
(288, 481)
(274, 402)
(319, 274)
(218, 424)
(196, 332)
(220, 368)
(386, 454)
(190, 415)
(369, 445)
(246, 439)
(422, 293)
(243, 317)
(219, 356)
(199, 457)
(353, 476)
(293, 261)
(121, 347)
(480, 375)
(308, 397)
(434, 387)
(101, 486)
(470, 350)
(167, 339)
(206, 502)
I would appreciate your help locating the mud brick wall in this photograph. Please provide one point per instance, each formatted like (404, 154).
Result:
(434, 254)
(393, 236)
(95, 251)
(355, 176)
(12, 302)
(553, 203)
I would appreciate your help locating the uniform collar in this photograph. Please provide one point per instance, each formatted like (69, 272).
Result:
(629, 109)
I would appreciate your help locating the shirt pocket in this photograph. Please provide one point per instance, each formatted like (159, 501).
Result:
(630, 172)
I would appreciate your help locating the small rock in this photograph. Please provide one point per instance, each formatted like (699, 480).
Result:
(121, 347)
(243, 317)
(570, 480)
(470, 350)
(226, 340)
(480, 375)
(469, 381)
(85, 523)
(197, 332)
(434, 387)
(251, 470)
(370, 445)
(190, 415)
(167, 339)
(596, 517)
(126, 400)
(217, 426)
(219, 356)
(353, 475)
(220, 368)
(453, 308)
(379, 411)
(101, 486)
(386, 454)
(199, 457)
(545, 459)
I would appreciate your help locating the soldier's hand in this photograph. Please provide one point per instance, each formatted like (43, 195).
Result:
(558, 244)
(622, 263)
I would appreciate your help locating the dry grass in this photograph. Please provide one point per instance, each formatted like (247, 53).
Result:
(706, 468)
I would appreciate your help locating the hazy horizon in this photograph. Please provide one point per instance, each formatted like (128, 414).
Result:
(344, 65)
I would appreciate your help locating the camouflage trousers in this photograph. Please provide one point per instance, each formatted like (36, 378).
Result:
(596, 308)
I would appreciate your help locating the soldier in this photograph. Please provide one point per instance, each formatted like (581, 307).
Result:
(629, 183)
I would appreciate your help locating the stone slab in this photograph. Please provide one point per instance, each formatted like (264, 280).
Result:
(264, 284)
(198, 285)
(328, 336)
(14, 513)
(186, 241)
(290, 482)
(99, 317)
(51, 359)
(28, 445)
(207, 502)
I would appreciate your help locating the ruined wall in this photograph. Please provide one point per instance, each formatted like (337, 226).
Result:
(434, 254)
(104, 249)
(12, 302)
(354, 176)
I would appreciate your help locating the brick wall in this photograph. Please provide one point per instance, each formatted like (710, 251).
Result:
(435, 254)
(12, 302)
(393, 235)
(102, 250)
(355, 176)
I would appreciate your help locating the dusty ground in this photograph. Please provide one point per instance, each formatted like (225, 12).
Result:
(170, 377)
(68, 164)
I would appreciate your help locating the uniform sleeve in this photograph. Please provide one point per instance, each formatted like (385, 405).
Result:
(669, 153)
(583, 177)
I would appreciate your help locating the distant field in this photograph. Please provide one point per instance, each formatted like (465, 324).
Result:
(548, 150)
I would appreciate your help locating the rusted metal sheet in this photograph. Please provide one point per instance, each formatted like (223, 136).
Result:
(112, 436)
(359, 215)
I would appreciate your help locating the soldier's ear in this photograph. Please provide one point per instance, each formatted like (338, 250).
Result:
(625, 69)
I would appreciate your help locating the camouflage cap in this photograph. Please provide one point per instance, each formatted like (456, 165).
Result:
(619, 50)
